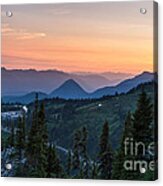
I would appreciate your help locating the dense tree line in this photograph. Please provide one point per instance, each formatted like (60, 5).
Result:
(38, 157)
(139, 131)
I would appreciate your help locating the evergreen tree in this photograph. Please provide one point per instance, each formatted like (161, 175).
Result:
(41, 142)
(84, 167)
(20, 144)
(53, 169)
(119, 171)
(20, 138)
(32, 137)
(37, 142)
(142, 119)
(143, 130)
(139, 128)
(80, 160)
(105, 154)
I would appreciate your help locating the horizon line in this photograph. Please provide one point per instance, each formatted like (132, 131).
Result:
(75, 72)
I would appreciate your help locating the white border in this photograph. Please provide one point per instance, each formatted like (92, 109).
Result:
(59, 182)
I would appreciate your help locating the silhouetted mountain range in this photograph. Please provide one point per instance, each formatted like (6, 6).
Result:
(27, 98)
(124, 86)
(20, 82)
(70, 89)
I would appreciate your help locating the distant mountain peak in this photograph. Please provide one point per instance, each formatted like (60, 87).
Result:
(145, 75)
(70, 82)
(69, 89)
(146, 72)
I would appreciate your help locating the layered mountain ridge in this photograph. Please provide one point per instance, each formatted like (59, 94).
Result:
(70, 89)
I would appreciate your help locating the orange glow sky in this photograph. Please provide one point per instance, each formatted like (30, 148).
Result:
(85, 37)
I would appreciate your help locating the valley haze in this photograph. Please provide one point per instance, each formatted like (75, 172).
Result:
(19, 82)
(66, 86)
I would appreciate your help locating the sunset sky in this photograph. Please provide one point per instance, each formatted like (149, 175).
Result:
(85, 37)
